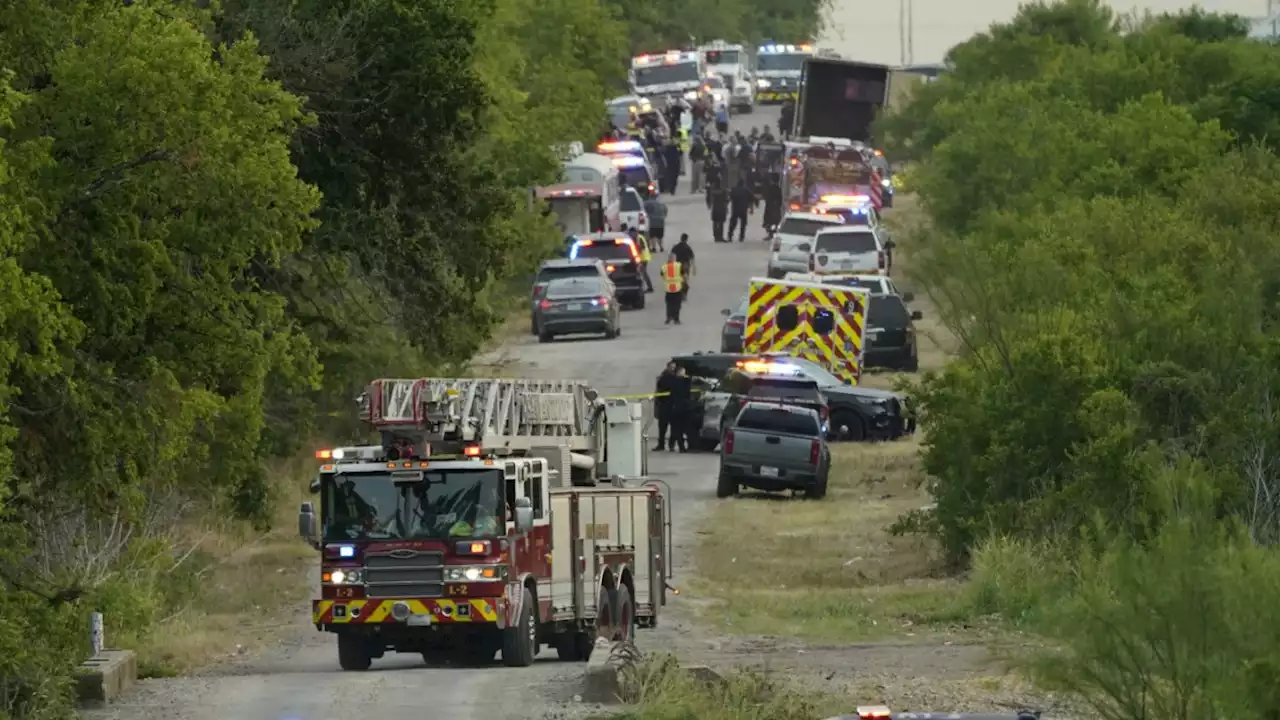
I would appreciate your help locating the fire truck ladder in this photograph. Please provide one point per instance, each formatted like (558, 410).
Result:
(500, 413)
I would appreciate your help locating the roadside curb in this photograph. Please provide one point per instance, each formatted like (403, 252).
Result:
(105, 677)
(600, 681)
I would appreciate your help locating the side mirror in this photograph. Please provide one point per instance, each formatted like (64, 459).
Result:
(307, 522)
(908, 297)
(916, 315)
(726, 312)
(524, 515)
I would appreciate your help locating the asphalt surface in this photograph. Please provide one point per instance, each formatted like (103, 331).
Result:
(301, 679)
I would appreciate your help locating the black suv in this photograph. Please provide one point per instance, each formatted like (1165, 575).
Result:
(891, 335)
(856, 413)
(622, 261)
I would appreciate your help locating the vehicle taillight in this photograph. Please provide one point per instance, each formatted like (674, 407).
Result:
(728, 441)
(733, 323)
(602, 301)
(824, 412)
(883, 262)
(537, 290)
(545, 304)
(653, 189)
(812, 264)
(643, 218)
(815, 448)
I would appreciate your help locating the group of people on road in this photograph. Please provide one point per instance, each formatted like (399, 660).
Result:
(676, 410)
(736, 184)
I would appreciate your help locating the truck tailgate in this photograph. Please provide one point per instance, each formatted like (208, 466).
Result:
(774, 450)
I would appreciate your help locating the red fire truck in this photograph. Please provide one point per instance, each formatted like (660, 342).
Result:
(456, 539)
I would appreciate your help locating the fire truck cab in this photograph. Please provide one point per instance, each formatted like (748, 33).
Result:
(452, 540)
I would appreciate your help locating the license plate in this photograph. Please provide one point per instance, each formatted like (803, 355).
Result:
(575, 306)
(769, 471)
(419, 620)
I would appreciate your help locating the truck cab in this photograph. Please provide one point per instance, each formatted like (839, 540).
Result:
(778, 71)
(733, 65)
(465, 534)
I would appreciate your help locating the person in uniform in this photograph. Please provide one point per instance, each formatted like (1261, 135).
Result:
(719, 198)
(742, 201)
(642, 246)
(682, 408)
(484, 518)
(786, 118)
(662, 408)
(684, 255)
(673, 285)
(670, 166)
(772, 205)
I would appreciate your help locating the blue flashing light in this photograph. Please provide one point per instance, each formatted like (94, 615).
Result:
(346, 551)
(629, 161)
(620, 146)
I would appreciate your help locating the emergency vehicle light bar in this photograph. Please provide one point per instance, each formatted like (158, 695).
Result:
(785, 48)
(621, 146)
(628, 161)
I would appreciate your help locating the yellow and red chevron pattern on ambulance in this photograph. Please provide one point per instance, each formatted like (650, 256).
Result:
(342, 612)
(825, 324)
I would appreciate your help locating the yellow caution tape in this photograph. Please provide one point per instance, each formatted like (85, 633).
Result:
(646, 396)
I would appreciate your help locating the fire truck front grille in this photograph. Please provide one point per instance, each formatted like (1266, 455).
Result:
(404, 574)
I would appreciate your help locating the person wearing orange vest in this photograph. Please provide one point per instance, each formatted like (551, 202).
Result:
(673, 284)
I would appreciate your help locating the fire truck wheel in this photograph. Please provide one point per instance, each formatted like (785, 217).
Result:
(626, 616)
(353, 652)
(520, 642)
(605, 627)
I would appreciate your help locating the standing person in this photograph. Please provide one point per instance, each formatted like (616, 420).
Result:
(673, 285)
(671, 166)
(684, 255)
(722, 119)
(642, 244)
(742, 201)
(772, 205)
(719, 212)
(682, 407)
(664, 409)
(786, 118)
(657, 212)
(697, 155)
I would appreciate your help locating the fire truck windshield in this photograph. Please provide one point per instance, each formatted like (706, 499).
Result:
(430, 505)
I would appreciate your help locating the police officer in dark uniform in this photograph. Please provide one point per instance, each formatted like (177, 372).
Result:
(664, 408)
(786, 118)
(719, 199)
(772, 204)
(682, 408)
(742, 200)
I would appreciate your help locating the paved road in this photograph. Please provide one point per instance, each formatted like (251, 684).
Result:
(301, 681)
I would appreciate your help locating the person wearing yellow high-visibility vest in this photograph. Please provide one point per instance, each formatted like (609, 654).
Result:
(642, 246)
(673, 285)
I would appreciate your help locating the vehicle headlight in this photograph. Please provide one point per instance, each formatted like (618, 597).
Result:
(886, 182)
(475, 573)
(691, 95)
(346, 577)
(762, 83)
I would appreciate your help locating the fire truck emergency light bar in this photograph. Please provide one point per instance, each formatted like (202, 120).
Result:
(670, 58)
(859, 200)
(785, 48)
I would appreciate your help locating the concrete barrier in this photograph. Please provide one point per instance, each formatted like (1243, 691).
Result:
(600, 683)
(106, 676)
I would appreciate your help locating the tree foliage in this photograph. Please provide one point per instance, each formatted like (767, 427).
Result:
(1101, 195)
(218, 221)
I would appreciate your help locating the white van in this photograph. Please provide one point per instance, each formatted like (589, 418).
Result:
(590, 168)
(849, 250)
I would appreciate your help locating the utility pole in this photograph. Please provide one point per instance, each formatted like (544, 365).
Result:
(911, 32)
(902, 32)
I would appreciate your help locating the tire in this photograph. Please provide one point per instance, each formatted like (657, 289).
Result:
(353, 652)
(725, 486)
(605, 613)
(575, 646)
(626, 616)
(857, 430)
(818, 490)
(520, 642)
(546, 338)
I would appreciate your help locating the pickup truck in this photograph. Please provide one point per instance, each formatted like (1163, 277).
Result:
(774, 447)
